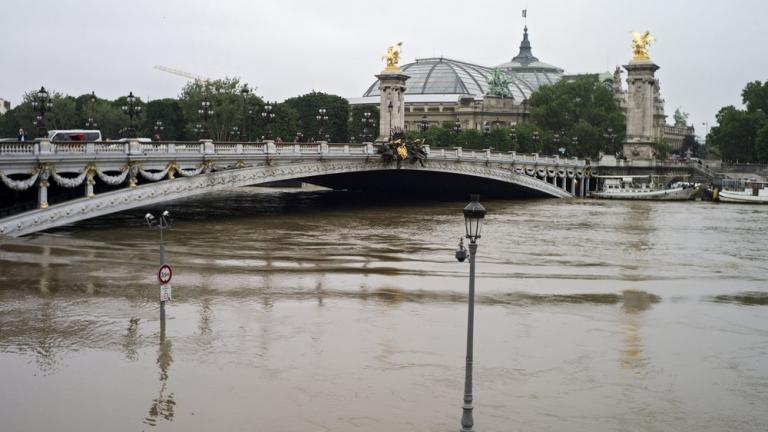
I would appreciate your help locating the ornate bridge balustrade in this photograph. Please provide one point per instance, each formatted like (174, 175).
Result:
(144, 173)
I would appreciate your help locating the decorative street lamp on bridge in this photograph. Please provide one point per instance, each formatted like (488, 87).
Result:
(268, 117)
(91, 123)
(322, 118)
(611, 137)
(474, 213)
(42, 103)
(457, 127)
(486, 133)
(205, 112)
(133, 109)
(390, 107)
(368, 122)
(424, 124)
(245, 92)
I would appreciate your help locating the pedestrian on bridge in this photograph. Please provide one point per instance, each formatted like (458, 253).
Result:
(22, 135)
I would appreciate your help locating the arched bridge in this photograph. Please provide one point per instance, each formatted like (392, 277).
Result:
(117, 176)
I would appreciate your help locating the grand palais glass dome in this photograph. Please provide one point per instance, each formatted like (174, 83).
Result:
(441, 79)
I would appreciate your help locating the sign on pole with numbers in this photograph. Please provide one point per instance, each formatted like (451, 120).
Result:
(164, 274)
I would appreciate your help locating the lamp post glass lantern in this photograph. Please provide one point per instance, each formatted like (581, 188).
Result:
(42, 104)
(474, 213)
(132, 109)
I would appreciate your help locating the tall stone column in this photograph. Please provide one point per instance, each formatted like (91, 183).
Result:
(392, 88)
(641, 110)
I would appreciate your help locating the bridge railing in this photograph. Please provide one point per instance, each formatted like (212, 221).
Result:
(23, 150)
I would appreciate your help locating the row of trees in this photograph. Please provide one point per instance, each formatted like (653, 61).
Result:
(237, 114)
(742, 135)
(576, 118)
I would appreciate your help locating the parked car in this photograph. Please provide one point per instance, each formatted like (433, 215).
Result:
(74, 135)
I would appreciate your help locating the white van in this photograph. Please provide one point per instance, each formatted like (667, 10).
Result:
(76, 135)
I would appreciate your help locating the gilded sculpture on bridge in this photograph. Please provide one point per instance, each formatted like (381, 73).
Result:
(392, 57)
(640, 42)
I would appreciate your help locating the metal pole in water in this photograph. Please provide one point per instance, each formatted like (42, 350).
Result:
(162, 261)
(467, 421)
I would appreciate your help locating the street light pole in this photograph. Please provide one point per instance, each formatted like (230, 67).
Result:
(205, 112)
(474, 213)
(322, 118)
(389, 109)
(132, 108)
(42, 103)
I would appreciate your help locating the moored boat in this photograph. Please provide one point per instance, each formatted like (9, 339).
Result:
(641, 188)
(739, 191)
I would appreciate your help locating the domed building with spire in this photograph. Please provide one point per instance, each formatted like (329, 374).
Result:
(441, 89)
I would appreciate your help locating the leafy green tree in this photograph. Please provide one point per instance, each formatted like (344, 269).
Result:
(739, 133)
(761, 143)
(582, 108)
(735, 134)
(663, 148)
(755, 96)
(337, 111)
(227, 102)
(170, 113)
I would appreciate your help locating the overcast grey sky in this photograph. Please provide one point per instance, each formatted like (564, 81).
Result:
(707, 50)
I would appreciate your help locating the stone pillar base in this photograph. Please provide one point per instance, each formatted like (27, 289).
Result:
(639, 150)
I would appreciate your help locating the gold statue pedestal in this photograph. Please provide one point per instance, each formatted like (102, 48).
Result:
(392, 103)
(645, 110)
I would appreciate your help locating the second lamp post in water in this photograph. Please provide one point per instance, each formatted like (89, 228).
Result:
(474, 213)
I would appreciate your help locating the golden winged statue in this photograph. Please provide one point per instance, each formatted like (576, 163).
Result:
(392, 57)
(640, 42)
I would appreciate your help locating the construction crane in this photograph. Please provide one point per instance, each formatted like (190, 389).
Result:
(187, 75)
(182, 73)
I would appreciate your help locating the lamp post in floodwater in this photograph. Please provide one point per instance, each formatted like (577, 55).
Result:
(474, 213)
(161, 224)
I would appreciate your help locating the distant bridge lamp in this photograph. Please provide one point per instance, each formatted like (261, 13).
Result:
(132, 109)
(474, 213)
(245, 92)
(41, 103)
(269, 116)
(91, 123)
(205, 111)
(368, 122)
(424, 124)
(322, 118)
(611, 137)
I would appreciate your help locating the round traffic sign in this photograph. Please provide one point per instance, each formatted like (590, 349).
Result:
(164, 274)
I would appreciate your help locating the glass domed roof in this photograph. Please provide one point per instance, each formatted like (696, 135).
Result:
(440, 76)
(439, 79)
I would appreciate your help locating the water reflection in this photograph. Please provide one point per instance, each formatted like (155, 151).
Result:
(131, 343)
(633, 304)
(164, 405)
(749, 298)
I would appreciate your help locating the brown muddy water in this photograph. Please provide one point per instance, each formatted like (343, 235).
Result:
(325, 311)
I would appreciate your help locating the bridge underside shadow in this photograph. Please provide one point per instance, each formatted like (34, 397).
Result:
(427, 184)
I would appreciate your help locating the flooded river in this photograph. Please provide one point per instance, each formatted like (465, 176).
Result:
(325, 311)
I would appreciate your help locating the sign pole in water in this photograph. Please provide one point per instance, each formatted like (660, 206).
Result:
(165, 272)
(164, 275)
